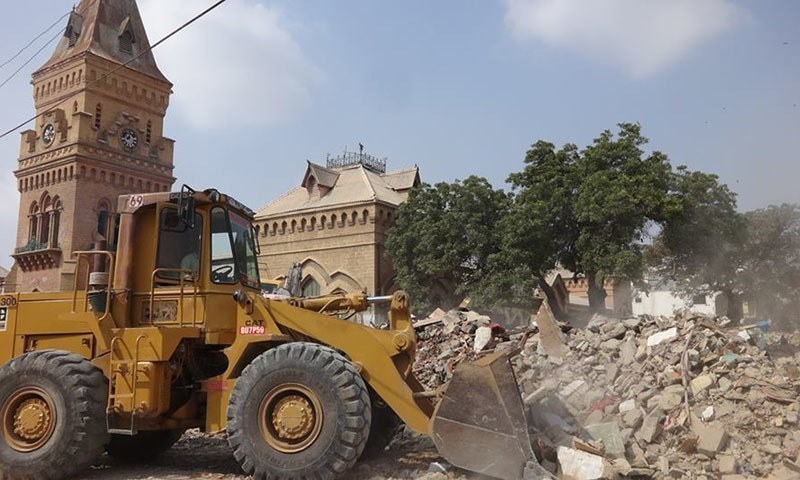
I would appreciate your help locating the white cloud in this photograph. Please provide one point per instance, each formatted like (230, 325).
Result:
(641, 36)
(238, 65)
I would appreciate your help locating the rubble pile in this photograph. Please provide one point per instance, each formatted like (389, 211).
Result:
(446, 339)
(648, 397)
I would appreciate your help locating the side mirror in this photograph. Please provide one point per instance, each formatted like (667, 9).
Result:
(186, 206)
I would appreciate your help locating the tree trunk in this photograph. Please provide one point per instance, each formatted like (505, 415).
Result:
(552, 300)
(596, 292)
(734, 307)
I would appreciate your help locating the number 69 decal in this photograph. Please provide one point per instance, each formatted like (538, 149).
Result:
(135, 201)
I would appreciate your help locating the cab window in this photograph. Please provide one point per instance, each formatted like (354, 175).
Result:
(233, 257)
(178, 245)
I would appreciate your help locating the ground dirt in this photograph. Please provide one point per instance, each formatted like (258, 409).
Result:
(208, 457)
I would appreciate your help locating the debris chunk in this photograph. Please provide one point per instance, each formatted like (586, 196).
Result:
(712, 439)
(580, 465)
(664, 336)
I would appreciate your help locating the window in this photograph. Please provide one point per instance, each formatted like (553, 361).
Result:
(126, 42)
(179, 246)
(310, 288)
(102, 221)
(98, 113)
(699, 300)
(233, 255)
(149, 132)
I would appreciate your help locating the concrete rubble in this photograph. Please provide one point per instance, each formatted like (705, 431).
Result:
(687, 396)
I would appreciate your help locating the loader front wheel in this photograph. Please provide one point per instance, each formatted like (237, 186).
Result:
(300, 410)
(52, 414)
(142, 446)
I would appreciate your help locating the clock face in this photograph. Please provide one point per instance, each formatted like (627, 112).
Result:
(49, 133)
(129, 139)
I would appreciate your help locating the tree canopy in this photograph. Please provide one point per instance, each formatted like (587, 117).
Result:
(611, 209)
(588, 211)
(443, 238)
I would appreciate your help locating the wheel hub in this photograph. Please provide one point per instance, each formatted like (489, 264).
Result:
(293, 417)
(32, 419)
(28, 419)
(290, 418)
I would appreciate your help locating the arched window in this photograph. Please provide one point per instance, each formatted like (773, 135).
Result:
(310, 288)
(103, 216)
(44, 224)
(33, 226)
(55, 222)
(126, 41)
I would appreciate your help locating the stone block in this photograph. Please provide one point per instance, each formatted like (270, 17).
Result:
(667, 335)
(611, 437)
(712, 439)
(650, 429)
(703, 382)
(727, 464)
(580, 465)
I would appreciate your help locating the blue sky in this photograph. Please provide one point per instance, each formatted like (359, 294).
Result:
(457, 87)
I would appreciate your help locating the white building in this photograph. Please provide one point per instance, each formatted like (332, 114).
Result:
(662, 300)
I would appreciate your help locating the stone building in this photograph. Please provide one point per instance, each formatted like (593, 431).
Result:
(334, 224)
(97, 135)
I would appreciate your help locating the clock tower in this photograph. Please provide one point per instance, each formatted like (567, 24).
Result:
(98, 135)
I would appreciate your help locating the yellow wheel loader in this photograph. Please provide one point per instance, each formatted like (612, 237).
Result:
(170, 331)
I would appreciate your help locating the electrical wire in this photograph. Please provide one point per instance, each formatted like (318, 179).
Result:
(58, 34)
(37, 37)
(119, 67)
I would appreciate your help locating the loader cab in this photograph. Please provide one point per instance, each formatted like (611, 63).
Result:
(190, 252)
(215, 247)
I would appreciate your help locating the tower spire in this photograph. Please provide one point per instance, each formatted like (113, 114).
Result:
(111, 29)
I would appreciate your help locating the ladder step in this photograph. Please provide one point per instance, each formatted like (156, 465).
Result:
(123, 431)
(121, 395)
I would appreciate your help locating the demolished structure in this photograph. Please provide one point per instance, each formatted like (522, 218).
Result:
(684, 396)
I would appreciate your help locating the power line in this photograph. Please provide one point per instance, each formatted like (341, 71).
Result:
(58, 34)
(119, 67)
(37, 37)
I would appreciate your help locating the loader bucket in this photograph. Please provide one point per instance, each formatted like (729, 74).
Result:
(479, 424)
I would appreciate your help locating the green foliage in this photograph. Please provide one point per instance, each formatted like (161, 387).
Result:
(770, 267)
(592, 211)
(587, 211)
(443, 238)
(700, 246)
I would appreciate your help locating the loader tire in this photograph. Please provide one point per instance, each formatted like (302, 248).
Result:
(382, 430)
(142, 446)
(299, 411)
(52, 414)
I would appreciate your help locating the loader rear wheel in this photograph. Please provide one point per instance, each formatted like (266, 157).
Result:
(52, 414)
(142, 446)
(300, 410)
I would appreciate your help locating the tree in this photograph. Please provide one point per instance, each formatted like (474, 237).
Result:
(770, 267)
(443, 236)
(539, 231)
(587, 211)
(621, 195)
(700, 245)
